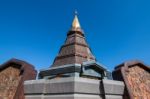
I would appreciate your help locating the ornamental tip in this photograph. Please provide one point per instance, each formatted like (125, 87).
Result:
(75, 23)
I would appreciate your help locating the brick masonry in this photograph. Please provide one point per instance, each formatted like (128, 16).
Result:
(74, 50)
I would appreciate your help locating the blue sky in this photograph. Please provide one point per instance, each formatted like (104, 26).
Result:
(34, 30)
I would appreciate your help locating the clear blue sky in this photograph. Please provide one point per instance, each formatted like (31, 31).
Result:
(34, 30)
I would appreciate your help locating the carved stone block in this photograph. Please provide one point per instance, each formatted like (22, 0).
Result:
(12, 75)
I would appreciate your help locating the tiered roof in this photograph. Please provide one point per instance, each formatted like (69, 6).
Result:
(75, 50)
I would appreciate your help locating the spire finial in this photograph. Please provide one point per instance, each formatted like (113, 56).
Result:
(76, 12)
(75, 23)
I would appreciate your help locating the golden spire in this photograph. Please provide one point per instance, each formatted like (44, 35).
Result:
(75, 23)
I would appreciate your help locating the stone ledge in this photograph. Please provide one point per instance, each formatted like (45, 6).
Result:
(34, 86)
(113, 97)
(34, 97)
(73, 85)
(113, 87)
(62, 85)
(68, 96)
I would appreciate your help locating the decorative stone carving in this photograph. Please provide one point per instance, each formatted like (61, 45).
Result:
(136, 76)
(9, 80)
(12, 75)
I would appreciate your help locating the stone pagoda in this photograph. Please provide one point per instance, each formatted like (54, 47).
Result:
(75, 58)
(74, 74)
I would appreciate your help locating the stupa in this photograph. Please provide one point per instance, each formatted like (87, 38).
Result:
(75, 58)
(74, 74)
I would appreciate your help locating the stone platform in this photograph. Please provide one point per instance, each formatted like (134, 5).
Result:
(73, 88)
